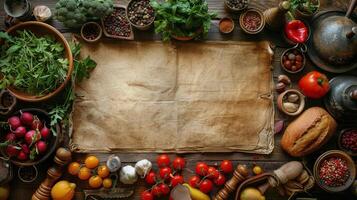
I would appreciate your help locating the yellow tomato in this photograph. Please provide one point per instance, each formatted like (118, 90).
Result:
(95, 181)
(73, 168)
(91, 162)
(84, 173)
(103, 171)
(107, 183)
(63, 190)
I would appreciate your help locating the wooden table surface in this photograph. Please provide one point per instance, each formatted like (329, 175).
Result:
(22, 191)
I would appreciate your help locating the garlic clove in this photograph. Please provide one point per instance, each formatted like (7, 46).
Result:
(42, 13)
(293, 98)
(290, 107)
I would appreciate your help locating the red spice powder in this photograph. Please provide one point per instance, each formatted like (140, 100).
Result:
(226, 25)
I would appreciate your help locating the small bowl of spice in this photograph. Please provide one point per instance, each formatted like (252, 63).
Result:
(334, 171)
(141, 14)
(226, 25)
(347, 141)
(291, 102)
(91, 32)
(252, 21)
(293, 60)
(116, 25)
(236, 5)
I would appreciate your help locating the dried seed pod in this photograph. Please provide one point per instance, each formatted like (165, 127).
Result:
(280, 87)
(284, 79)
(290, 107)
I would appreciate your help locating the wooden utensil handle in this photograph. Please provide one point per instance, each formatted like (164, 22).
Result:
(351, 8)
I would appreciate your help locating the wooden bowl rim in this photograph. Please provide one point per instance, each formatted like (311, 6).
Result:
(50, 149)
(301, 97)
(350, 164)
(69, 56)
(262, 25)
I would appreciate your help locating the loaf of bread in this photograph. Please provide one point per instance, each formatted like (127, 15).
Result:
(312, 129)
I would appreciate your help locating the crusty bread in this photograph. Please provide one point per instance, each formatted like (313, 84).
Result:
(312, 129)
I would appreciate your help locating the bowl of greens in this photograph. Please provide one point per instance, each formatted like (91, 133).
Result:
(182, 19)
(35, 61)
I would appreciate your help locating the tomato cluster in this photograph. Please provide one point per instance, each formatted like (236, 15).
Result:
(168, 176)
(208, 176)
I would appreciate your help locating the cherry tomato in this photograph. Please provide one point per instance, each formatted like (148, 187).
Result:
(146, 195)
(206, 186)
(314, 85)
(165, 173)
(213, 173)
(165, 190)
(175, 180)
(221, 180)
(227, 166)
(156, 191)
(163, 160)
(179, 163)
(194, 181)
(201, 169)
(150, 178)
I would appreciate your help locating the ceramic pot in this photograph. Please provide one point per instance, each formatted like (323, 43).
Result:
(20, 9)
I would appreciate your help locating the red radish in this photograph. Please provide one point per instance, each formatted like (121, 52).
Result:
(25, 148)
(32, 137)
(20, 132)
(22, 156)
(12, 150)
(10, 137)
(26, 118)
(41, 147)
(45, 132)
(36, 124)
(14, 122)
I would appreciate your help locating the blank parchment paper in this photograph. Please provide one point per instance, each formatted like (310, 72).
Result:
(184, 97)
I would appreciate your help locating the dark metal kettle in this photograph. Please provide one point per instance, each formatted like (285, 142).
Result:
(341, 102)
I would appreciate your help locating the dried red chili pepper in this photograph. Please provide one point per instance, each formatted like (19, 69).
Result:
(296, 31)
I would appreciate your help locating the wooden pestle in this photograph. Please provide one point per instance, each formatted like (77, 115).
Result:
(288, 171)
(239, 175)
(43, 192)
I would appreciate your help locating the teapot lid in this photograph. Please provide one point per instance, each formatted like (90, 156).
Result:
(342, 99)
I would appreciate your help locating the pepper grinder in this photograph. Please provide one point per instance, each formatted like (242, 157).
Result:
(239, 175)
(43, 192)
(275, 17)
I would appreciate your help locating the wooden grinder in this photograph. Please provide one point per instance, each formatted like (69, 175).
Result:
(63, 156)
(239, 175)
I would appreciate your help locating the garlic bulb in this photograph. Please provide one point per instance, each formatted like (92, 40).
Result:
(42, 13)
(113, 163)
(128, 175)
(143, 167)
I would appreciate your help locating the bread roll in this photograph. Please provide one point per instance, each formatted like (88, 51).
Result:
(312, 129)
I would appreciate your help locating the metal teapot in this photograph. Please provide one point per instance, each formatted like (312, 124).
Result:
(341, 102)
(333, 45)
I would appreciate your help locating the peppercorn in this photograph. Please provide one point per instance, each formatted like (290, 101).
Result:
(140, 12)
(117, 24)
(334, 172)
(349, 140)
(237, 4)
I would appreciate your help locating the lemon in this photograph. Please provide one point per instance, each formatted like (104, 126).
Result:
(63, 190)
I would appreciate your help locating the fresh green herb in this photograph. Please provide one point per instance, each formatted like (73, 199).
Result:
(74, 13)
(181, 18)
(82, 68)
(32, 64)
(306, 6)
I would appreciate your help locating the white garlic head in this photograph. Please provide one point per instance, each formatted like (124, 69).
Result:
(42, 13)
(128, 175)
(143, 167)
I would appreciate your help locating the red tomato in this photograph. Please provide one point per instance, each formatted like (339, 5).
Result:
(165, 190)
(156, 191)
(221, 180)
(175, 180)
(314, 85)
(163, 160)
(146, 195)
(206, 186)
(201, 169)
(213, 173)
(179, 163)
(150, 178)
(165, 172)
(194, 181)
(227, 166)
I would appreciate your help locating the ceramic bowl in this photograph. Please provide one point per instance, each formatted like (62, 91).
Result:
(143, 27)
(91, 25)
(285, 53)
(257, 30)
(350, 164)
(349, 152)
(229, 20)
(284, 95)
(232, 9)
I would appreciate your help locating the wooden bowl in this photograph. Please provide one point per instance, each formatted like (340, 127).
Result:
(94, 25)
(51, 144)
(262, 24)
(144, 27)
(226, 19)
(301, 103)
(286, 52)
(349, 152)
(41, 29)
(231, 9)
(131, 35)
(351, 167)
